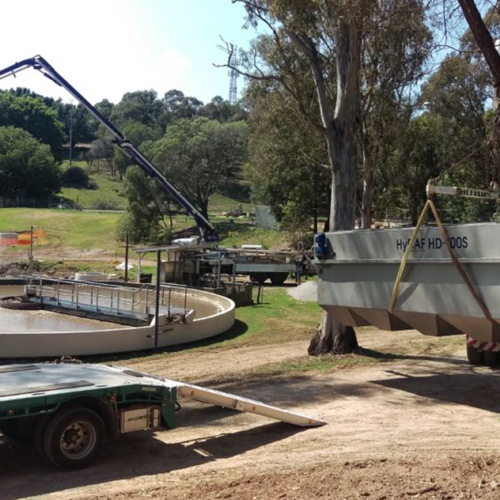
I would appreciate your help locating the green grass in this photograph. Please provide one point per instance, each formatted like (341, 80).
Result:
(242, 232)
(96, 231)
(64, 228)
(278, 320)
(325, 363)
(110, 189)
(107, 189)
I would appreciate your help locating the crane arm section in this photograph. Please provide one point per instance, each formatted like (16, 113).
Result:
(462, 192)
(41, 65)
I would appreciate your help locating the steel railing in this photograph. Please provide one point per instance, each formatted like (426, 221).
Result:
(115, 300)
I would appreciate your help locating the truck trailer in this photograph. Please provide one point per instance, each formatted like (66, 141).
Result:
(70, 409)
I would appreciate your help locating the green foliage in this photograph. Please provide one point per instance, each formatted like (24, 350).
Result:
(137, 133)
(457, 97)
(199, 156)
(288, 159)
(243, 233)
(136, 224)
(140, 107)
(297, 222)
(103, 189)
(75, 177)
(34, 116)
(104, 204)
(146, 219)
(27, 167)
(178, 106)
(221, 110)
(414, 161)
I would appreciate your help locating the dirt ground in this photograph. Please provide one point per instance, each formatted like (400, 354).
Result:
(419, 426)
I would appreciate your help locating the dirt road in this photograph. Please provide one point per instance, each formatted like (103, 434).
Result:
(422, 426)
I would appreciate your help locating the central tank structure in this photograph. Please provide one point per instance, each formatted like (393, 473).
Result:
(358, 269)
(69, 322)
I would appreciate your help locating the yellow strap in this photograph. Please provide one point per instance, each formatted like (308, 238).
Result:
(407, 253)
(461, 270)
(451, 252)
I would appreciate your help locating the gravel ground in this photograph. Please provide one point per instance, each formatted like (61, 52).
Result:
(306, 292)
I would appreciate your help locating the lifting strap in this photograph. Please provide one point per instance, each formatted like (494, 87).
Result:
(451, 252)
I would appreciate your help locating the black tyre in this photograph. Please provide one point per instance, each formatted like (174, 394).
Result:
(73, 438)
(491, 358)
(278, 278)
(259, 277)
(475, 356)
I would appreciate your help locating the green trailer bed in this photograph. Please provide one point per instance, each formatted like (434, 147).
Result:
(69, 409)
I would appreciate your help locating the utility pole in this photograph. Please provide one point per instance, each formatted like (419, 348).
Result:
(71, 135)
(31, 253)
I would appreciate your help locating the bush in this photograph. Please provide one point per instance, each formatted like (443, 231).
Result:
(104, 205)
(27, 167)
(296, 222)
(76, 177)
(141, 232)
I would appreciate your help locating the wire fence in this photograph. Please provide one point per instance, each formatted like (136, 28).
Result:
(52, 202)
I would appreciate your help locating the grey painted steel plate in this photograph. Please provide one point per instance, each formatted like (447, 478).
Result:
(356, 280)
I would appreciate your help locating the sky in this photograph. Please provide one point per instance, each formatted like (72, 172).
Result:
(106, 48)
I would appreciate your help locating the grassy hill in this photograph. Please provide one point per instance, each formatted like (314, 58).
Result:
(88, 231)
(109, 190)
(74, 234)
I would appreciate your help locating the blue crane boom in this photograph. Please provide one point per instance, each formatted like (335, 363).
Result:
(40, 64)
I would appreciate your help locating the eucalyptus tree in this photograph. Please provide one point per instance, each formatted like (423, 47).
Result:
(395, 46)
(326, 39)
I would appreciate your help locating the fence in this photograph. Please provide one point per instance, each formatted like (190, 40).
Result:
(19, 202)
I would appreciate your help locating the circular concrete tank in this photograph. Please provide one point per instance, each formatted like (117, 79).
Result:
(41, 334)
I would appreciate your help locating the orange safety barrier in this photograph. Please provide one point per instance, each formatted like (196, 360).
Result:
(21, 238)
(8, 239)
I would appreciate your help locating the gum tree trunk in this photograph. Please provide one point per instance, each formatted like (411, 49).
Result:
(340, 132)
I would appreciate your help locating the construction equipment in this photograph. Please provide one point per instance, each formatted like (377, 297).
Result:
(40, 64)
(439, 280)
(70, 409)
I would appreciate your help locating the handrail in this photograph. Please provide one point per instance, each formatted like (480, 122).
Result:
(137, 300)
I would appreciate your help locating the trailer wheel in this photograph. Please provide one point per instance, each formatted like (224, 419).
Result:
(491, 358)
(259, 277)
(475, 356)
(278, 278)
(73, 438)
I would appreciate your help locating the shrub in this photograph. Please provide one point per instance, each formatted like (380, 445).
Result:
(104, 205)
(142, 232)
(76, 177)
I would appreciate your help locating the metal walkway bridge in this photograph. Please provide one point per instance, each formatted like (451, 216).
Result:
(109, 302)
